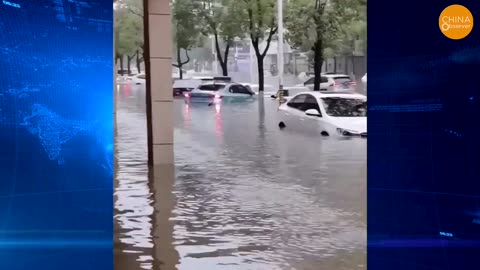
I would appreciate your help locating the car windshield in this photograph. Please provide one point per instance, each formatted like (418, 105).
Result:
(345, 107)
(211, 87)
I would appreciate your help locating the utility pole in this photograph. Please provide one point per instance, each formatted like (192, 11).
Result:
(214, 52)
(280, 44)
(252, 63)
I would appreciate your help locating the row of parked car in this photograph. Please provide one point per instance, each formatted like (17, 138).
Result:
(335, 110)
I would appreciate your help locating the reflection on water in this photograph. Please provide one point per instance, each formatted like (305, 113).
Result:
(246, 195)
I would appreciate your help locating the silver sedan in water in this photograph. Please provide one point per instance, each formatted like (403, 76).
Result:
(219, 92)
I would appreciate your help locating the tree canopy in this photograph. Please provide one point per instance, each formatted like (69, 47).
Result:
(222, 20)
(185, 31)
(340, 23)
(128, 27)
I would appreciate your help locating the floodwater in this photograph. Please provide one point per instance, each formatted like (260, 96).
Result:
(242, 195)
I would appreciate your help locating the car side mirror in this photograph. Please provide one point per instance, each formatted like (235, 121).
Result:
(313, 112)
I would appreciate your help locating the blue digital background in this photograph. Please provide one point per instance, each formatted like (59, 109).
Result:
(56, 134)
(424, 143)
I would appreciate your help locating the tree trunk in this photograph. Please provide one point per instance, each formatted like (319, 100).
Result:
(223, 60)
(224, 68)
(129, 62)
(317, 64)
(121, 65)
(179, 63)
(138, 62)
(261, 74)
(224, 64)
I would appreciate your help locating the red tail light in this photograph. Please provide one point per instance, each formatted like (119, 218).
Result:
(215, 96)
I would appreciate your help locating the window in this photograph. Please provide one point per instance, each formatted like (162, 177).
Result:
(310, 103)
(240, 89)
(211, 87)
(312, 80)
(297, 101)
(304, 102)
(309, 81)
(345, 107)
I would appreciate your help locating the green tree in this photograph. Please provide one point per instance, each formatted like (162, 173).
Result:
(221, 19)
(135, 7)
(128, 33)
(124, 39)
(324, 27)
(185, 31)
(261, 26)
(353, 27)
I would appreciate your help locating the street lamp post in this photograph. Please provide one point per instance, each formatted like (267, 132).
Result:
(252, 64)
(280, 44)
(214, 52)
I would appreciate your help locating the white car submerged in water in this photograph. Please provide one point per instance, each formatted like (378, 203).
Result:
(219, 92)
(326, 113)
(138, 79)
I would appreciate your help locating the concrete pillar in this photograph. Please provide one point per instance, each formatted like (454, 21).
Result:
(158, 66)
(162, 179)
(159, 98)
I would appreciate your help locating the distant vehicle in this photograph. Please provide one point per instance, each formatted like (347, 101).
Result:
(332, 82)
(329, 113)
(139, 78)
(122, 72)
(219, 92)
(267, 89)
(181, 87)
(364, 82)
(213, 78)
(124, 79)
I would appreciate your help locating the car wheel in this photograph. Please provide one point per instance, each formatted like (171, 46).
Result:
(324, 133)
(281, 125)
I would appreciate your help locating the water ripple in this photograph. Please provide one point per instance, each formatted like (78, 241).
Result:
(248, 196)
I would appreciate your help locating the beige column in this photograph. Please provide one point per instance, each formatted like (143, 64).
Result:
(160, 79)
(158, 64)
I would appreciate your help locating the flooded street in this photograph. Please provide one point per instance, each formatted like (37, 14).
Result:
(247, 195)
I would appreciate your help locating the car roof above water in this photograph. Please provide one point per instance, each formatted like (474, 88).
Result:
(214, 83)
(338, 94)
